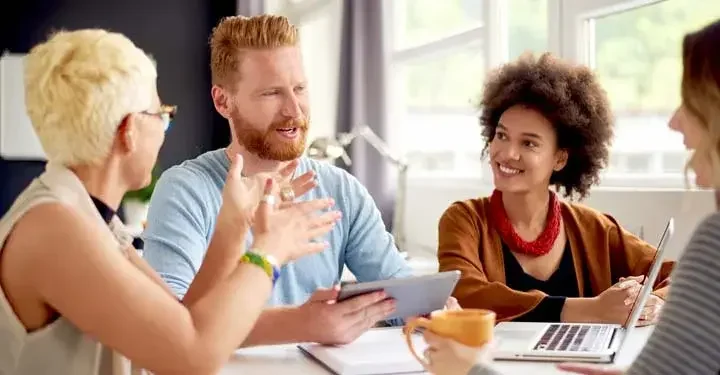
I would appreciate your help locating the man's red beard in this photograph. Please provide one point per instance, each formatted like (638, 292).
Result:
(265, 146)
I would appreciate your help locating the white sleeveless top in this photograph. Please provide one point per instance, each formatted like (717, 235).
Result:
(60, 347)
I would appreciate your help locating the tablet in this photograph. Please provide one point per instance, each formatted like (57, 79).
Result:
(414, 295)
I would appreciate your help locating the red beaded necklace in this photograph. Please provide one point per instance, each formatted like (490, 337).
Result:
(542, 244)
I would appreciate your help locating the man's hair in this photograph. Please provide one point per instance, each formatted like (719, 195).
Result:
(568, 95)
(79, 86)
(236, 34)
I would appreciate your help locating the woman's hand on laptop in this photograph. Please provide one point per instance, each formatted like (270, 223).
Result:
(651, 311)
(615, 303)
(587, 369)
(448, 357)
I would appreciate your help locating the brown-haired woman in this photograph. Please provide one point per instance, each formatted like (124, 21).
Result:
(523, 252)
(686, 339)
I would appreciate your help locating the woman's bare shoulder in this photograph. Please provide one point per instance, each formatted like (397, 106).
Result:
(49, 227)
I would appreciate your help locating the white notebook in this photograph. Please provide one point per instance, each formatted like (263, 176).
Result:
(378, 351)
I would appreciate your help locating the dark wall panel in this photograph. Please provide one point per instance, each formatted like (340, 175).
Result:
(174, 32)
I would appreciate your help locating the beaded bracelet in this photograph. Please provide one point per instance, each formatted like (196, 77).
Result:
(266, 262)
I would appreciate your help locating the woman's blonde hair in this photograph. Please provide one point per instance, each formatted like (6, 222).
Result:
(701, 90)
(79, 86)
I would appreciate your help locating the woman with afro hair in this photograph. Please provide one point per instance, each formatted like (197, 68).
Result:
(523, 252)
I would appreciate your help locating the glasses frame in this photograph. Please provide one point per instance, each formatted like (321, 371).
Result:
(166, 114)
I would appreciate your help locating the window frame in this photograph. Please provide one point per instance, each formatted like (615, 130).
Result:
(574, 40)
(491, 33)
(299, 12)
(569, 22)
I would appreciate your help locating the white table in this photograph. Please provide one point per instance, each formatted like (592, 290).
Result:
(287, 359)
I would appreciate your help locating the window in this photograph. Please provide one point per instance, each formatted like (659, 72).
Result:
(317, 20)
(635, 48)
(527, 27)
(445, 82)
(441, 53)
(417, 22)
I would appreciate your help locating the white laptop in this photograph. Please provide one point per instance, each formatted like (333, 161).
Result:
(577, 342)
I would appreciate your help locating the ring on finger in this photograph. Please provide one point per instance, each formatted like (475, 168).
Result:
(269, 199)
(287, 194)
(426, 355)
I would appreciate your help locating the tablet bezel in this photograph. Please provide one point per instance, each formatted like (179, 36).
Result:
(436, 288)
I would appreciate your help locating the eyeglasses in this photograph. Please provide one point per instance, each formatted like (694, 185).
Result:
(166, 114)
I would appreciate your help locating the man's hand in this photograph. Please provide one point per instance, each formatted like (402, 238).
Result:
(330, 322)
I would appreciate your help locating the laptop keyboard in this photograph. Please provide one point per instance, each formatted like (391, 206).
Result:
(574, 338)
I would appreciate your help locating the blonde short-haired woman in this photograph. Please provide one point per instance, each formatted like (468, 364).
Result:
(76, 296)
(687, 337)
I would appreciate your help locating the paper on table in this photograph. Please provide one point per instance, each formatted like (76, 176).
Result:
(378, 351)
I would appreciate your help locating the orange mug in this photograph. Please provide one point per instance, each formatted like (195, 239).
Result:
(471, 327)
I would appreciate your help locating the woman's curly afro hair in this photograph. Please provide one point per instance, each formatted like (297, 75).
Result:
(570, 97)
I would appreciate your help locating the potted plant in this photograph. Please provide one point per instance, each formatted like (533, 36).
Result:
(135, 204)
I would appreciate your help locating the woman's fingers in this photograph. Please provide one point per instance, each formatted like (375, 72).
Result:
(308, 248)
(643, 323)
(236, 167)
(306, 207)
(327, 218)
(321, 225)
(303, 184)
(647, 312)
(320, 231)
(287, 171)
(433, 340)
(640, 279)
(315, 247)
(650, 315)
(265, 207)
(303, 178)
(588, 369)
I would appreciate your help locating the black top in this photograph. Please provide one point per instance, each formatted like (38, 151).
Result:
(105, 211)
(562, 284)
(108, 213)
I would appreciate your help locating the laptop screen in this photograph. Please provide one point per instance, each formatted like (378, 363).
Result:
(649, 278)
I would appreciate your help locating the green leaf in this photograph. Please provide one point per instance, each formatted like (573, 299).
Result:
(144, 194)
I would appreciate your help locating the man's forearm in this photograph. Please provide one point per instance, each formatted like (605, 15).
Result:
(277, 325)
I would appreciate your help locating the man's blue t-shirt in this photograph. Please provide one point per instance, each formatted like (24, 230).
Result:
(186, 202)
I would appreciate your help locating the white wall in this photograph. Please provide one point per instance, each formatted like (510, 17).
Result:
(319, 22)
(633, 208)
(18, 140)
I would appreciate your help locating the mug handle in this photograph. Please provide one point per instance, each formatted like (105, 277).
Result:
(409, 329)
